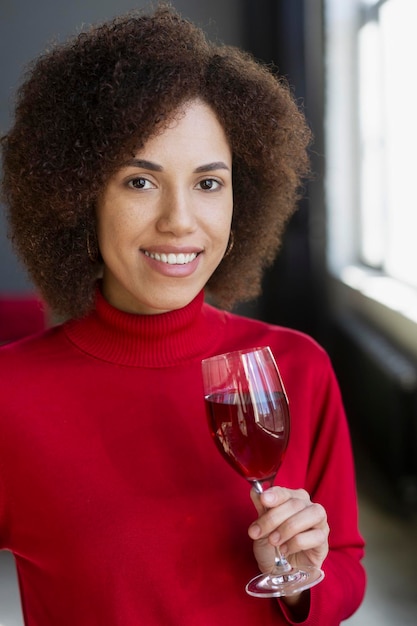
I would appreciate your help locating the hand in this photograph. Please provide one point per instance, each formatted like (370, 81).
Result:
(288, 519)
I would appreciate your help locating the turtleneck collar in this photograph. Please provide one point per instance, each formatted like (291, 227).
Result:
(153, 341)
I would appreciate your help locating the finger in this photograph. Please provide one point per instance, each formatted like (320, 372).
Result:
(310, 518)
(275, 496)
(314, 539)
(271, 520)
(278, 495)
(286, 521)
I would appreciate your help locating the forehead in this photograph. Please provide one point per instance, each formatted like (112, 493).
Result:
(194, 126)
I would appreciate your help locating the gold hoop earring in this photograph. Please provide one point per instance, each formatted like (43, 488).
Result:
(230, 244)
(92, 254)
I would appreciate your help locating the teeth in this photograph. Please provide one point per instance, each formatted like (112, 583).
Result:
(171, 258)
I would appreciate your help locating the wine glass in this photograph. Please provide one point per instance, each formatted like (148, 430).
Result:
(248, 415)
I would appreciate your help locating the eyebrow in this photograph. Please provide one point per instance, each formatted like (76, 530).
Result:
(155, 167)
(143, 164)
(210, 167)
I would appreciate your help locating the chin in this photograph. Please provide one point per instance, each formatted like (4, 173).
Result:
(174, 296)
(173, 305)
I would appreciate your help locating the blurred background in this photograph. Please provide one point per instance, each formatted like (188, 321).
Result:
(347, 271)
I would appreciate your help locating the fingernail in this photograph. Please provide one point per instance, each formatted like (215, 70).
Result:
(255, 531)
(268, 497)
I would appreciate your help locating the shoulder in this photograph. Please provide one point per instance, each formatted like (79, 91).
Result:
(301, 359)
(32, 351)
(282, 340)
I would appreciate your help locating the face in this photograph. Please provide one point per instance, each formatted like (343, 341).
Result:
(163, 220)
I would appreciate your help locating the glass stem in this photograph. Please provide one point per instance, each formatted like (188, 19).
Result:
(281, 565)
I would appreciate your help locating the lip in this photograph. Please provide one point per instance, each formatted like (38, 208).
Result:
(172, 249)
(175, 270)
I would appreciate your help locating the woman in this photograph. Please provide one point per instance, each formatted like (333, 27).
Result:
(145, 168)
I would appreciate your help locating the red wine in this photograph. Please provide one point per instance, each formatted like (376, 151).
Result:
(251, 437)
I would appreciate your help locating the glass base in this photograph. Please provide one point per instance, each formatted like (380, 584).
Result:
(295, 581)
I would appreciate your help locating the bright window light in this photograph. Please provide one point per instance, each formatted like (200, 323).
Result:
(387, 44)
(398, 20)
(371, 125)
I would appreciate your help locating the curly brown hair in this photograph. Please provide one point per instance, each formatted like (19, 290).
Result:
(87, 103)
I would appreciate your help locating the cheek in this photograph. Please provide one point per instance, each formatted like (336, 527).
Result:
(221, 225)
(114, 229)
(226, 224)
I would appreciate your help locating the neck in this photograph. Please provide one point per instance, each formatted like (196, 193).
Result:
(136, 340)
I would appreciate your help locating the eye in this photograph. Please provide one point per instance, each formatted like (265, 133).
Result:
(209, 184)
(140, 183)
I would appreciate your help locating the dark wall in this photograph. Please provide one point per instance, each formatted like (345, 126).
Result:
(379, 387)
(274, 31)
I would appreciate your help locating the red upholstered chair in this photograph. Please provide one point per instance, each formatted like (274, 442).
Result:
(21, 315)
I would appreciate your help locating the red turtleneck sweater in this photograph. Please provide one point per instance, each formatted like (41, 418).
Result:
(116, 504)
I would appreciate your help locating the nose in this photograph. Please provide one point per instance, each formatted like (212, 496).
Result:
(177, 213)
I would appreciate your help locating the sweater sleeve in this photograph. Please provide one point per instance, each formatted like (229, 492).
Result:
(2, 470)
(330, 481)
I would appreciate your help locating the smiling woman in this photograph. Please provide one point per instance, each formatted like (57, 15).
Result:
(163, 220)
(119, 85)
(148, 168)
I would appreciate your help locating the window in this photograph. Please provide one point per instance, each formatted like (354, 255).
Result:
(387, 41)
(371, 151)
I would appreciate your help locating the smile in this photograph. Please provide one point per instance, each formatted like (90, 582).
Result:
(171, 258)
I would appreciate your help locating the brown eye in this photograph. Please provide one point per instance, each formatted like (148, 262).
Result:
(209, 184)
(139, 183)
